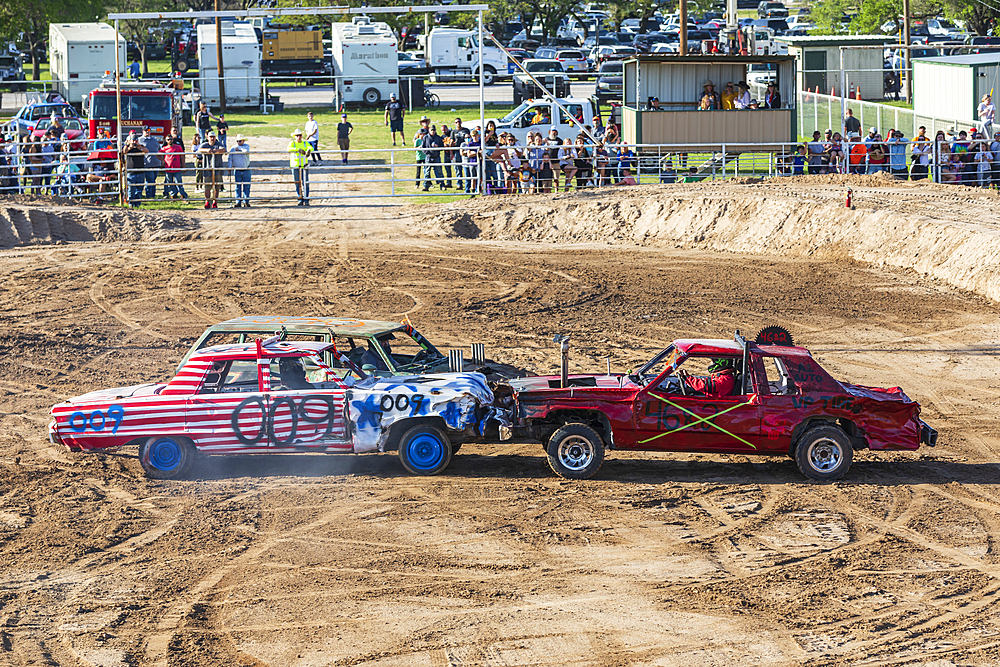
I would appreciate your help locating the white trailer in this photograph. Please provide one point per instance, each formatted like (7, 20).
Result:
(240, 60)
(79, 55)
(453, 55)
(364, 61)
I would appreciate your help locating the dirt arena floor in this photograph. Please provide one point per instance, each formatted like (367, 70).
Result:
(660, 560)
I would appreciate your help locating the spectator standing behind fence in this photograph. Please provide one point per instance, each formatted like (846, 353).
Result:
(877, 157)
(152, 146)
(421, 155)
(859, 155)
(851, 124)
(222, 130)
(920, 151)
(432, 161)
(459, 134)
(963, 167)
(344, 130)
(211, 154)
(173, 169)
(298, 160)
(239, 162)
(7, 183)
(395, 110)
(312, 137)
(942, 154)
(987, 114)
(65, 176)
(983, 157)
(470, 155)
(817, 151)
(995, 162)
(203, 121)
(135, 162)
(897, 154)
(448, 156)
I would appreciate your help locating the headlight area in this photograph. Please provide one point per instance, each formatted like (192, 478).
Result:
(54, 433)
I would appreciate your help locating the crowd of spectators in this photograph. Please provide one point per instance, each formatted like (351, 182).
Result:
(969, 157)
(451, 158)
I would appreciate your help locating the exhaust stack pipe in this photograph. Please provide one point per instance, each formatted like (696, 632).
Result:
(456, 363)
(563, 340)
(479, 353)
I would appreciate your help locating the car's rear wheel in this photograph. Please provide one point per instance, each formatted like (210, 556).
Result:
(167, 457)
(824, 452)
(575, 451)
(425, 450)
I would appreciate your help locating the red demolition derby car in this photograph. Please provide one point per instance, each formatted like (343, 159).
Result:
(766, 396)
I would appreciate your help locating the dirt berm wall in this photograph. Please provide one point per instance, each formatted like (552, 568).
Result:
(947, 232)
(38, 220)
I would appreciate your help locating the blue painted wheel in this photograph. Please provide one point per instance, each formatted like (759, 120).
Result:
(166, 457)
(425, 450)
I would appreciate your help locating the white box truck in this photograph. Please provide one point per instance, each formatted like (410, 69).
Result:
(453, 55)
(79, 55)
(240, 60)
(364, 61)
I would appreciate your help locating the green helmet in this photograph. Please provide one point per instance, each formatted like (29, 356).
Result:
(722, 364)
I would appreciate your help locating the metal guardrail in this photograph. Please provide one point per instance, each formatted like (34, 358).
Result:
(399, 172)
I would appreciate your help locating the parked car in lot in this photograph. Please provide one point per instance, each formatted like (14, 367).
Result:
(764, 396)
(573, 61)
(549, 73)
(12, 71)
(410, 63)
(75, 131)
(609, 81)
(772, 10)
(23, 123)
(277, 397)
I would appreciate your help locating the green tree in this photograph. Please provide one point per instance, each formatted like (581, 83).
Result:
(873, 13)
(30, 20)
(827, 16)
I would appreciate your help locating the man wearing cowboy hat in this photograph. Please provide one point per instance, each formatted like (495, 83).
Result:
(298, 160)
(239, 162)
(212, 151)
(394, 112)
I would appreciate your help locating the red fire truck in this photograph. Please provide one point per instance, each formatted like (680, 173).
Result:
(151, 104)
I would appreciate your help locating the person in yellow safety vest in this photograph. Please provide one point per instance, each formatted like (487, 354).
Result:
(298, 160)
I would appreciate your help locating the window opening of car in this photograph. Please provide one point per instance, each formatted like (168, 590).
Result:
(541, 66)
(241, 376)
(615, 68)
(696, 366)
(297, 374)
(530, 114)
(515, 113)
(652, 368)
(406, 354)
(778, 379)
(576, 110)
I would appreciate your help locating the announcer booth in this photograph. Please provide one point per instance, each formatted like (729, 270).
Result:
(678, 81)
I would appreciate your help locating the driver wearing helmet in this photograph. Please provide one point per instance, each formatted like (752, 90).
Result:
(720, 380)
(373, 358)
(293, 376)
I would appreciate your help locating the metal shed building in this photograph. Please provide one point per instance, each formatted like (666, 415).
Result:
(818, 59)
(677, 82)
(952, 86)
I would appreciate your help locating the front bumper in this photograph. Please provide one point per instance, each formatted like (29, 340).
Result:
(928, 435)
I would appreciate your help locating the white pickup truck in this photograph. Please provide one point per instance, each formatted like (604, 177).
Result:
(525, 119)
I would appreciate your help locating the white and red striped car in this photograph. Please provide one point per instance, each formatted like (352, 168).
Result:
(278, 397)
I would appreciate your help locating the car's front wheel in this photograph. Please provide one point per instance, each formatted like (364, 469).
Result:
(167, 457)
(824, 452)
(575, 451)
(425, 450)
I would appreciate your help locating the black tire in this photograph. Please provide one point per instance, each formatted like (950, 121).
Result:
(372, 97)
(517, 98)
(824, 452)
(455, 448)
(183, 66)
(489, 76)
(425, 450)
(167, 457)
(575, 451)
(433, 100)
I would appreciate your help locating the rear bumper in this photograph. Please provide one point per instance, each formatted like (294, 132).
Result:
(928, 435)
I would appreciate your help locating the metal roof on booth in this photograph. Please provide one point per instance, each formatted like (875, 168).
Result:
(969, 60)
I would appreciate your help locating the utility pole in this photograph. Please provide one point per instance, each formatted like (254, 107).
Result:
(906, 52)
(218, 61)
(683, 47)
